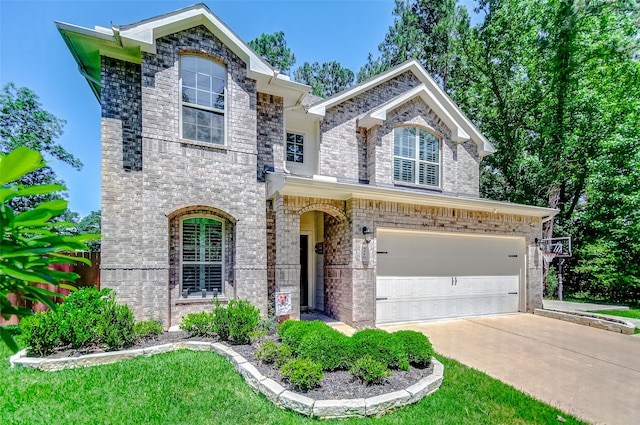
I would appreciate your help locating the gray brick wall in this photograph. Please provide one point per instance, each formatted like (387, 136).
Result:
(340, 155)
(349, 152)
(270, 110)
(176, 177)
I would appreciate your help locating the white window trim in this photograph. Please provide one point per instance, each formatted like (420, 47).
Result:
(224, 112)
(304, 146)
(221, 294)
(417, 161)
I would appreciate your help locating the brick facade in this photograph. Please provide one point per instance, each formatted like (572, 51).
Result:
(170, 176)
(153, 179)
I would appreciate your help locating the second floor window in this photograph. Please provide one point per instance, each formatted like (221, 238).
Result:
(416, 156)
(295, 147)
(203, 99)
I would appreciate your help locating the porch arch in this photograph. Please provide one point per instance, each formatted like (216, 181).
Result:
(332, 210)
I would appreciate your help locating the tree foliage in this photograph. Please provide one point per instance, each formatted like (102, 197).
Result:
(325, 79)
(273, 48)
(89, 224)
(23, 122)
(29, 240)
(422, 29)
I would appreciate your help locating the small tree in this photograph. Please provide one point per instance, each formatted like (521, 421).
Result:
(29, 241)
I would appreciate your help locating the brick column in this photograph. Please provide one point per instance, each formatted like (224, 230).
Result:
(287, 266)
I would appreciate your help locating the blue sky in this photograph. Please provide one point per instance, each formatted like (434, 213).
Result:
(33, 55)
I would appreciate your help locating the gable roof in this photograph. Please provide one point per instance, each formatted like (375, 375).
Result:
(461, 126)
(378, 115)
(127, 42)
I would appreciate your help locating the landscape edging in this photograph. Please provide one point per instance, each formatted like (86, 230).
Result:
(589, 319)
(274, 392)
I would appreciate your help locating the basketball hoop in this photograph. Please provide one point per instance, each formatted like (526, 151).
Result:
(549, 256)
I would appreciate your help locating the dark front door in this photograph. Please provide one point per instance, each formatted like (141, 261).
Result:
(304, 272)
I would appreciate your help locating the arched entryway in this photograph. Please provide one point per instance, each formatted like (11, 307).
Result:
(323, 250)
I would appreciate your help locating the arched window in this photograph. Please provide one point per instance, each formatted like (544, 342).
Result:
(202, 255)
(416, 156)
(203, 99)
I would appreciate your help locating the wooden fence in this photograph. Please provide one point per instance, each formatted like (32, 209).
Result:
(89, 276)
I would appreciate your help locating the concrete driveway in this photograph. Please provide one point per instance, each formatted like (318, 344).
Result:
(591, 373)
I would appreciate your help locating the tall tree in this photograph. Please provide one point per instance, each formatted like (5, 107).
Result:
(24, 122)
(326, 79)
(422, 29)
(537, 76)
(273, 48)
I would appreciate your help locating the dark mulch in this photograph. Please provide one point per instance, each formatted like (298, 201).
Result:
(339, 384)
(335, 385)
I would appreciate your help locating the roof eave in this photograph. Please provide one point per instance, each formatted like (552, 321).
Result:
(314, 187)
(127, 43)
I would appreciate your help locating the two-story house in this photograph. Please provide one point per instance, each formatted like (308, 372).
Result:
(223, 178)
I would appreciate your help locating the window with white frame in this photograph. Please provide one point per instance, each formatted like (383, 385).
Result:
(295, 147)
(202, 255)
(203, 99)
(416, 156)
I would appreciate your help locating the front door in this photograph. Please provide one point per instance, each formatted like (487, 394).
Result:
(304, 272)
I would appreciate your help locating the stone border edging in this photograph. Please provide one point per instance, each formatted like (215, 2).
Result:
(274, 392)
(589, 319)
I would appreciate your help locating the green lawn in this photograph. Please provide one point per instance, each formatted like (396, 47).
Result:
(185, 387)
(633, 313)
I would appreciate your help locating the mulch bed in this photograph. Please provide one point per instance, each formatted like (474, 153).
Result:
(335, 385)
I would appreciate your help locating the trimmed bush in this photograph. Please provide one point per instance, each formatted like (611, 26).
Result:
(272, 353)
(417, 347)
(303, 374)
(381, 346)
(198, 324)
(148, 328)
(80, 316)
(236, 322)
(41, 332)
(87, 317)
(317, 341)
(243, 321)
(116, 326)
(370, 371)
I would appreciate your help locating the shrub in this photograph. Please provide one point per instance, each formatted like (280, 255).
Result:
(244, 319)
(317, 341)
(282, 327)
(236, 322)
(80, 315)
(12, 330)
(116, 325)
(89, 316)
(370, 371)
(303, 374)
(285, 355)
(198, 324)
(381, 346)
(330, 348)
(270, 352)
(148, 328)
(41, 332)
(416, 346)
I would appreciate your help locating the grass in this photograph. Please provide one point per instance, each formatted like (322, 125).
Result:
(633, 313)
(185, 387)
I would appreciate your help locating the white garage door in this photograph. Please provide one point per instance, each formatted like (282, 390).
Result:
(423, 275)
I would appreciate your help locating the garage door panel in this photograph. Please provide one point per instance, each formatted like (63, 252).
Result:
(422, 254)
(422, 276)
(406, 310)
